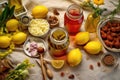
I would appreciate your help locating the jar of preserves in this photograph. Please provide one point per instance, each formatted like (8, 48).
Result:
(73, 19)
(58, 42)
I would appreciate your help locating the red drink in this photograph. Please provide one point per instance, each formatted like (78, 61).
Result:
(73, 19)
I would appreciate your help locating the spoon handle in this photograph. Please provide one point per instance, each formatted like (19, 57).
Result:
(42, 67)
(48, 71)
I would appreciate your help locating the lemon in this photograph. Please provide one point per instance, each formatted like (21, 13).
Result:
(19, 38)
(12, 25)
(57, 64)
(93, 47)
(82, 38)
(4, 41)
(39, 11)
(74, 57)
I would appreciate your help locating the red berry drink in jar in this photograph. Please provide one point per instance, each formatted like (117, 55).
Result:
(73, 19)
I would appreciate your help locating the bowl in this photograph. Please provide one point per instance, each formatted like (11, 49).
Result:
(39, 27)
(53, 21)
(108, 32)
(31, 46)
(109, 59)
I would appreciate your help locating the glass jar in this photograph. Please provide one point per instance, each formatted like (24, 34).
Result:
(24, 20)
(58, 42)
(17, 3)
(73, 19)
(91, 23)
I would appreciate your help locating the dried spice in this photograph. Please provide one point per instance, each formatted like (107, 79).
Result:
(108, 60)
(110, 34)
(91, 67)
(62, 74)
(98, 64)
(53, 21)
(55, 11)
(71, 76)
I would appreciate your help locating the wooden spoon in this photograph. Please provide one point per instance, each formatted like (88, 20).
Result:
(42, 67)
(48, 71)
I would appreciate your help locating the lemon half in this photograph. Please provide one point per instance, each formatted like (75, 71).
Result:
(57, 64)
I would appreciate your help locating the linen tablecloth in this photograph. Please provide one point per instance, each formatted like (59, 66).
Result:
(81, 72)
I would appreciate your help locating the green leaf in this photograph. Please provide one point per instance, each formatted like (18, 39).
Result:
(11, 12)
(6, 13)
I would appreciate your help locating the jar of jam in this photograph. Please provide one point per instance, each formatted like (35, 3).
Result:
(58, 42)
(73, 19)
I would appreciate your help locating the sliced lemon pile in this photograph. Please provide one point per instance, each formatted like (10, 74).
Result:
(57, 64)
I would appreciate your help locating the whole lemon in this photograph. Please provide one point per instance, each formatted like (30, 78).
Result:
(12, 25)
(19, 37)
(39, 11)
(93, 47)
(74, 57)
(82, 38)
(4, 41)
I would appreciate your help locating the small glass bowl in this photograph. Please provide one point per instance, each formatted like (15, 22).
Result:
(36, 40)
(109, 59)
(53, 21)
(39, 31)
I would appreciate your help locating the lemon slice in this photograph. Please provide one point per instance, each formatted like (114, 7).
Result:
(57, 64)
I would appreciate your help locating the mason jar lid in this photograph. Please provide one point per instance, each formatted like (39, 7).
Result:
(25, 19)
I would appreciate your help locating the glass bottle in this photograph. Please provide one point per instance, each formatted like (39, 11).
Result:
(58, 42)
(91, 23)
(73, 19)
(16, 3)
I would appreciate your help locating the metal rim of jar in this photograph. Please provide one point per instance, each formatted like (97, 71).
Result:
(25, 16)
(58, 41)
(74, 17)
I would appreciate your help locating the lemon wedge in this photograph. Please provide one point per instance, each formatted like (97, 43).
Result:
(57, 64)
